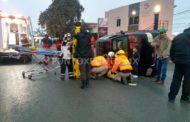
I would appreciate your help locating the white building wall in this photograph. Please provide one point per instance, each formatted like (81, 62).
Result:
(146, 17)
(167, 12)
(147, 14)
(113, 15)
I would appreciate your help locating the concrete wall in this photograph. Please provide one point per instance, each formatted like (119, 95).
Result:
(113, 15)
(165, 14)
(146, 17)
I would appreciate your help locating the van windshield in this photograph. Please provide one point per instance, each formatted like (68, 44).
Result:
(103, 47)
(105, 37)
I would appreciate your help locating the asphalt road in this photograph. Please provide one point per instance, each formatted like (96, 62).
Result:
(48, 99)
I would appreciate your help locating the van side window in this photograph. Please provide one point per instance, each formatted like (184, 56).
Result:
(134, 41)
(121, 43)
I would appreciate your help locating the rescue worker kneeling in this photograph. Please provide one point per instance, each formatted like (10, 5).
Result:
(122, 69)
(100, 67)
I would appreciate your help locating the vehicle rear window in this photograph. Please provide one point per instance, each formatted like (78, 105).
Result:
(121, 43)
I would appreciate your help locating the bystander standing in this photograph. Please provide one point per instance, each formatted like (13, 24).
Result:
(180, 55)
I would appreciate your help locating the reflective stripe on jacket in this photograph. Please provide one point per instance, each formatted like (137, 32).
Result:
(99, 61)
(121, 64)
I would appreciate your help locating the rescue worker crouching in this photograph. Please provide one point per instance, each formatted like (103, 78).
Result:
(122, 69)
(111, 58)
(100, 67)
(66, 50)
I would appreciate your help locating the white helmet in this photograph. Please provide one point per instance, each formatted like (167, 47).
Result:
(65, 36)
(68, 35)
(111, 54)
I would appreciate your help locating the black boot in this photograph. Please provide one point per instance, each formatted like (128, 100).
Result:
(83, 85)
(131, 82)
(122, 80)
(71, 78)
(87, 83)
(62, 77)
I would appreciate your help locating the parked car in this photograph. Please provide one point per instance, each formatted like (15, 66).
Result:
(126, 42)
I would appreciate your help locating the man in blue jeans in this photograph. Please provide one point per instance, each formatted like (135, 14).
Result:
(162, 46)
(180, 55)
(162, 64)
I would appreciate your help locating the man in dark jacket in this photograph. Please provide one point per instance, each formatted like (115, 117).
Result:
(46, 42)
(83, 52)
(180, 55)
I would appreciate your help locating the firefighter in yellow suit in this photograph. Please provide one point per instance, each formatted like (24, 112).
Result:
(122, 69)
(76, 71)
(100, 66)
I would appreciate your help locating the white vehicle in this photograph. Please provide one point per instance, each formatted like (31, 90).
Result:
(16, 30)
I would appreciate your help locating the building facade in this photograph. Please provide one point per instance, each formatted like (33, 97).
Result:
(94, 27)
(146, 15)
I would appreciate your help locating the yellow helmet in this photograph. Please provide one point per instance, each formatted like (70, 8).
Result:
(32, 48)
(77, 29)
(120, 52)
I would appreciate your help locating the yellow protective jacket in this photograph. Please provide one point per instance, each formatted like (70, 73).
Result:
(99, 61)
(121, 64)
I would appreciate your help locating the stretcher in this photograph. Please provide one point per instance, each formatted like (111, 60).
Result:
(49, 64)
(42, 67)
